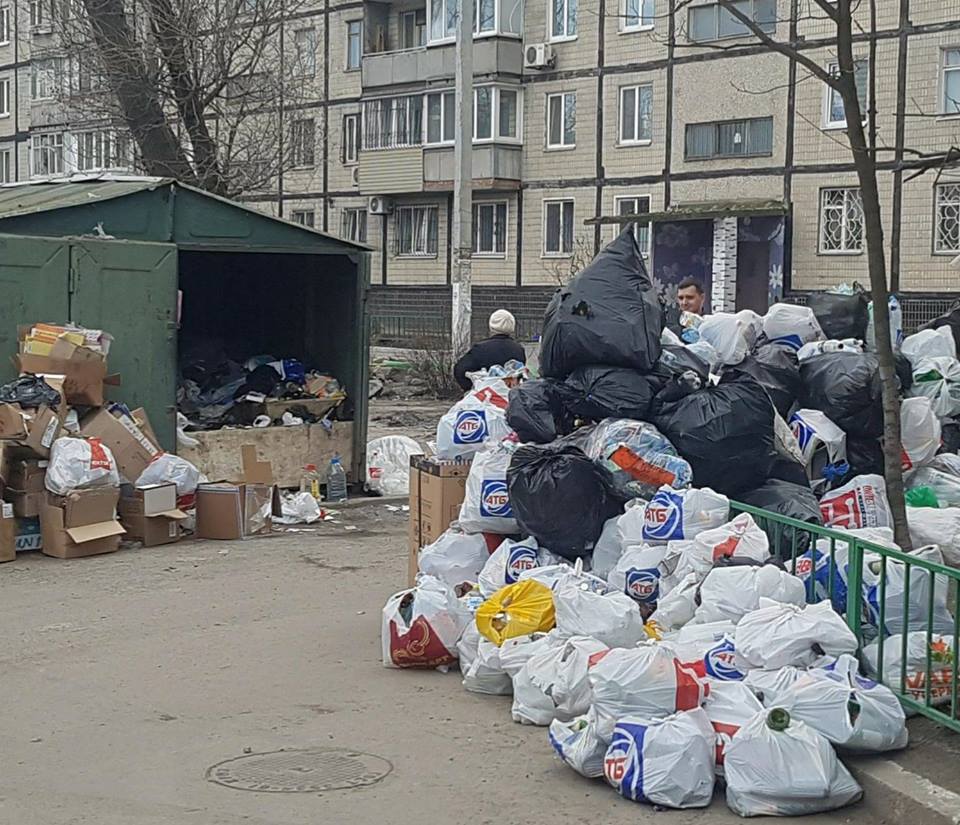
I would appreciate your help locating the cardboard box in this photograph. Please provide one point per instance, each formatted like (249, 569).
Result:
(25, 475)
(13, 422)
(437, 489)
(8, 533)
(44, 426)
(84, 370)
(132, 449)
(25, 505)
(82, 523)
(228, 510)
(150, 515)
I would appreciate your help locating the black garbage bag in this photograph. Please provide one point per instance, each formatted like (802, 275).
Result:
(788, 470)
(597, 392)
(725, 433)
(846, 387)
(842, 316)
(560, 497)
(950, 436)
(680, 371)
(776, 369)
(864, 456)
(794, 501)
(535, 411)
(951, 318)
(29, 391)
(608, 314)
(904, 371)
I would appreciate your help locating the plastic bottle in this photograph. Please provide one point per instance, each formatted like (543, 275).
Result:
(310, 481)
(336, 481)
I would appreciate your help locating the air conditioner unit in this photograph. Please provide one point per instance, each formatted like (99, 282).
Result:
(355, 176)
(538, 56)
(380, 206)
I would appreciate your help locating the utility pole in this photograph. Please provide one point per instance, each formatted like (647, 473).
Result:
(462, 229)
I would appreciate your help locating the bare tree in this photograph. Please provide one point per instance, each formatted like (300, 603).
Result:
(201, 87)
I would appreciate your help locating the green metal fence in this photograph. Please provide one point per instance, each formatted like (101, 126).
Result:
(902, 607)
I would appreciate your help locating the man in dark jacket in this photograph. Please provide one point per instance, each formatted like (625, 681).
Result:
(497, 349)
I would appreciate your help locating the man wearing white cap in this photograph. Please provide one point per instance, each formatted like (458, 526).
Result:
(497, 349)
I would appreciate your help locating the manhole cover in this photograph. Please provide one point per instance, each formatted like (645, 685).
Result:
(300, 771)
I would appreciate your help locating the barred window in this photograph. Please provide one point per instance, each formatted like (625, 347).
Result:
(841, 220)
(948, 218)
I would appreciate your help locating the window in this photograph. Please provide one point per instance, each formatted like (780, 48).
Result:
(6, 166)
(45, 77)
(637, 15)
(302, 142)
(494, 105)
(304, 217)
(489, 17)
(563, 19)
(490, 229)
(99, 149)
(441, 124)
(508, 125)
(635, 205)
(636, 114)
(4, 97)
(353, 225)
(4, 25)
(729, 138)
(89, 76)
(951, 82)
(834, 115)
(558, 227)
(948, 218)
(483, 113)
(351, 138)
(413, 29)
(354, 44)
(36, 13)
(484, 16)
(46, 154)
(561, 120)
(711, 22)
(392, 122)
(416, 230)
(841, 221)
(305, 42)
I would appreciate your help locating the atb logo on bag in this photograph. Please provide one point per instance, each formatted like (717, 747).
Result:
(470, 427)
(720, 662)
(614, 767)
(663, 517)
(802, 430)
(643, 585)
(522, 558)
(803, 566)
(493, 499)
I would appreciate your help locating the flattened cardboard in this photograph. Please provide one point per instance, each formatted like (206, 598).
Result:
(254, 471)
(44, 426)
(130, 446)
(92, 532)
(143, 422)
(13, 424)
(83, 378)
(8, 534)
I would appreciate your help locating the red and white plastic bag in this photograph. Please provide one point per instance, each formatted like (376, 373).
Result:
(80, 464)
(861, 502)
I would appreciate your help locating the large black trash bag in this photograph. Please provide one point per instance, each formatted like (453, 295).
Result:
(841, 316)
(864, 456)
(535, 411)
(560, 497)
(725, 433)
(904, 371)
(776, 369)
(951, 318)
(794, 501)
(789, 470)
(608, 314)
(598, 392)
(846, 387)
(681, 371)
(29, 391)
(950, 436)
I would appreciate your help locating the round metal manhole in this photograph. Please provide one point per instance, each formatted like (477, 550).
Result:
(300, 771)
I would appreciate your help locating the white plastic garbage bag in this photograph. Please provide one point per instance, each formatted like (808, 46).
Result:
(791, 325)
(608, 548)
(576, 743)
(298, 508)
(630, 524)
(388, 464)
(739, 538)
(511, 559)
(940, 527)
(455, 557)
(920, 432)
(939, 380)
(80, 464)
(667, 762)
(421, 626)
(814, 348)
(729, 707)
(861, 502)
(771, 686)
(776, 635)
(788, 772)
(713, 659)
(918, 600)
(676, 606)
(637, 574)
(914, 673)
(854, 713)
(480, 416)
(929, 343)
(480, 664)
(554, 683)
(171, 469)
(729, 593)
(683, 514)
(515, 651)
(486, 504)
(612, 618)
(944, 485)
(731, 335)
(823, 446)
(647, 681)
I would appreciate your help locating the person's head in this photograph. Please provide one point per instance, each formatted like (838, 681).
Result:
(690, 296)
(502, 322)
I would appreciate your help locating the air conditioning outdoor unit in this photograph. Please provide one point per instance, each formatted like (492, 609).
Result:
(379, 205)
(538, 56)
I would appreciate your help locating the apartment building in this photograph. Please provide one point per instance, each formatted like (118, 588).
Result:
(585, 109)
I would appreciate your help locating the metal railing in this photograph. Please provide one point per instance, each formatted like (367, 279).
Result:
(862, 579)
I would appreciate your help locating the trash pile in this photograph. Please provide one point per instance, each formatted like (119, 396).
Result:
(596, 570)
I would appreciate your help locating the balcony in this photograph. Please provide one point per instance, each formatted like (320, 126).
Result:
(491, 55)
(496, 165)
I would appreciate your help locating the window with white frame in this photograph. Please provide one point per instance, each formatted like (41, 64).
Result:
(393, 122)
(36, 13)
(353, 225)
(305, 44)
(4, 96)
(834, 115)
(416, 229)
(637, 15)
(841, 221)
(705, 23)
(354, 44)
(558, 227)
(489, 17)
(563, 19)
(636, 114)
(490, 228)
(46, 154)
(6, 166)
(947, 237)
(441, 123)
(950, 82)
(634, 205)
(45, 77)
(100, 149)
(413, 28)
(4, 25)
(302, 142)
(508, 114)
(351, 138)
(495, 113)
(561, 120)
(304, 217)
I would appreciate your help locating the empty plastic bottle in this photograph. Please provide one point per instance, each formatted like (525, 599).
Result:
(310, 481)
(336, 481)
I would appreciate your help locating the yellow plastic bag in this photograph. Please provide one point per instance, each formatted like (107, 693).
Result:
(516, 610)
